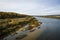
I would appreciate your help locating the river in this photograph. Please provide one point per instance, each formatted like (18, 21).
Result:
(51, 29)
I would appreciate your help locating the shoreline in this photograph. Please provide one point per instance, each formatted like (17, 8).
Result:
(33, 35)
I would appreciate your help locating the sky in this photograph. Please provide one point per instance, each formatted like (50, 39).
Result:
(31, 7)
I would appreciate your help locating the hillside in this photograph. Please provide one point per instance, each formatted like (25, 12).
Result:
(11, 22)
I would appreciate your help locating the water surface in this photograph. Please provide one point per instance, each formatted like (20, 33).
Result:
(51, 29)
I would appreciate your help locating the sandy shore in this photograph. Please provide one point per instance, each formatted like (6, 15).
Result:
(33, 35)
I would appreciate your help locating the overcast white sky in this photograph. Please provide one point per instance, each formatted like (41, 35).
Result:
(31, 7)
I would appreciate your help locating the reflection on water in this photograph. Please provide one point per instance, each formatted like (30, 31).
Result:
(51, 29)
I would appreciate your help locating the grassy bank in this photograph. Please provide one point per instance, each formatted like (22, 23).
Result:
(11, 22)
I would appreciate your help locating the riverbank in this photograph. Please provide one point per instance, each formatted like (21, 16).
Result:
(50, 30)
(33, 35)
(11, 22)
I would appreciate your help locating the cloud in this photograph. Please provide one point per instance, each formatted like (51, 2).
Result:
(31, 7)
(19, 6)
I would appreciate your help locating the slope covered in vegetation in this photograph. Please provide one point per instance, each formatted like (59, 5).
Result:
(11, 22)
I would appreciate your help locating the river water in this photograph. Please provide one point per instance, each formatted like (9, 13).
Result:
(51, 29)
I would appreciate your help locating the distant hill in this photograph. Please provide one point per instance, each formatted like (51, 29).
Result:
(49, 16)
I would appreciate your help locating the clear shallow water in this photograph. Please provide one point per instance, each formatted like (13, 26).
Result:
(51, 29)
